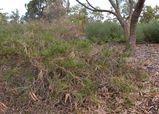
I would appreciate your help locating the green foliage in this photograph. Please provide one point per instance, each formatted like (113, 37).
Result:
(9, 47)
(82, 16)
(73, 63)
(61, 72)
(149, 14)
(45, 9)
(3, 18)
(88, 89)
(15, 17)
(84, 45)
(122, 84)
(35, 9)
(149, 32)
(140, 34)
(56, 49)
(78, 14)
(61, 86)
(107, 31)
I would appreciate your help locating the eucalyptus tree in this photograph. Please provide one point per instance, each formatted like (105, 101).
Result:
(15, 16)
(127, 13)
(149, 14)
(46, 9)
(35, 9)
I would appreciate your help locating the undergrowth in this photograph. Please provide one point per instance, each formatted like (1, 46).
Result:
(41, 73)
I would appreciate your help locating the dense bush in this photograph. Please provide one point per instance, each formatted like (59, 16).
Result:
(140, 34)
(107, 31)
(151, 32)
(148, 32)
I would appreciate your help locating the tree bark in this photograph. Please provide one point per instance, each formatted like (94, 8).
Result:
(133, 22)
(132, 39)
(126, 29)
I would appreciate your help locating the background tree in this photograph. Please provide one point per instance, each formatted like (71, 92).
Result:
(55, 9)
(78, 13)
(35, 9)
(96, 16)
(156, 10)
(46, 9)
(15, 17)
(128, 21)
(3, 17)
(79, 16)
(149, 13)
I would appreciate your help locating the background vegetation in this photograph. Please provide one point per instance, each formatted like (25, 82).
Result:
(112, 32)
(40, 70)
(68, 63)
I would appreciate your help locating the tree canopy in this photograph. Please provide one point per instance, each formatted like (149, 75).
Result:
(149, 13)
(46, 9)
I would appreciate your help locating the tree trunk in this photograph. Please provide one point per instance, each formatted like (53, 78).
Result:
(133, 23)
(132, 38)
(126, 29)
(128, 25)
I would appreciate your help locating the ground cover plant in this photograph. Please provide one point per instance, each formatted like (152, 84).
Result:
(41, 73)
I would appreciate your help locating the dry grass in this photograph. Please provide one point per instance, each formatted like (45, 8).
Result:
(42, 74)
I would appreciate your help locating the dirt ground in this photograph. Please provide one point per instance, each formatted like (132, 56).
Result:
(147, 57)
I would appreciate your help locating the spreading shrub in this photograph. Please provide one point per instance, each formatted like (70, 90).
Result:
(148, 32)
(110, 31)
(151, 32)
(140, 37)
(107, 31)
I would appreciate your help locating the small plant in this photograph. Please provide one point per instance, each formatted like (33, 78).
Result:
(57, 48)
(9, 46)
(128, 102)
(122, 84)
(72, 63)
(88, 89)
(84, 46)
